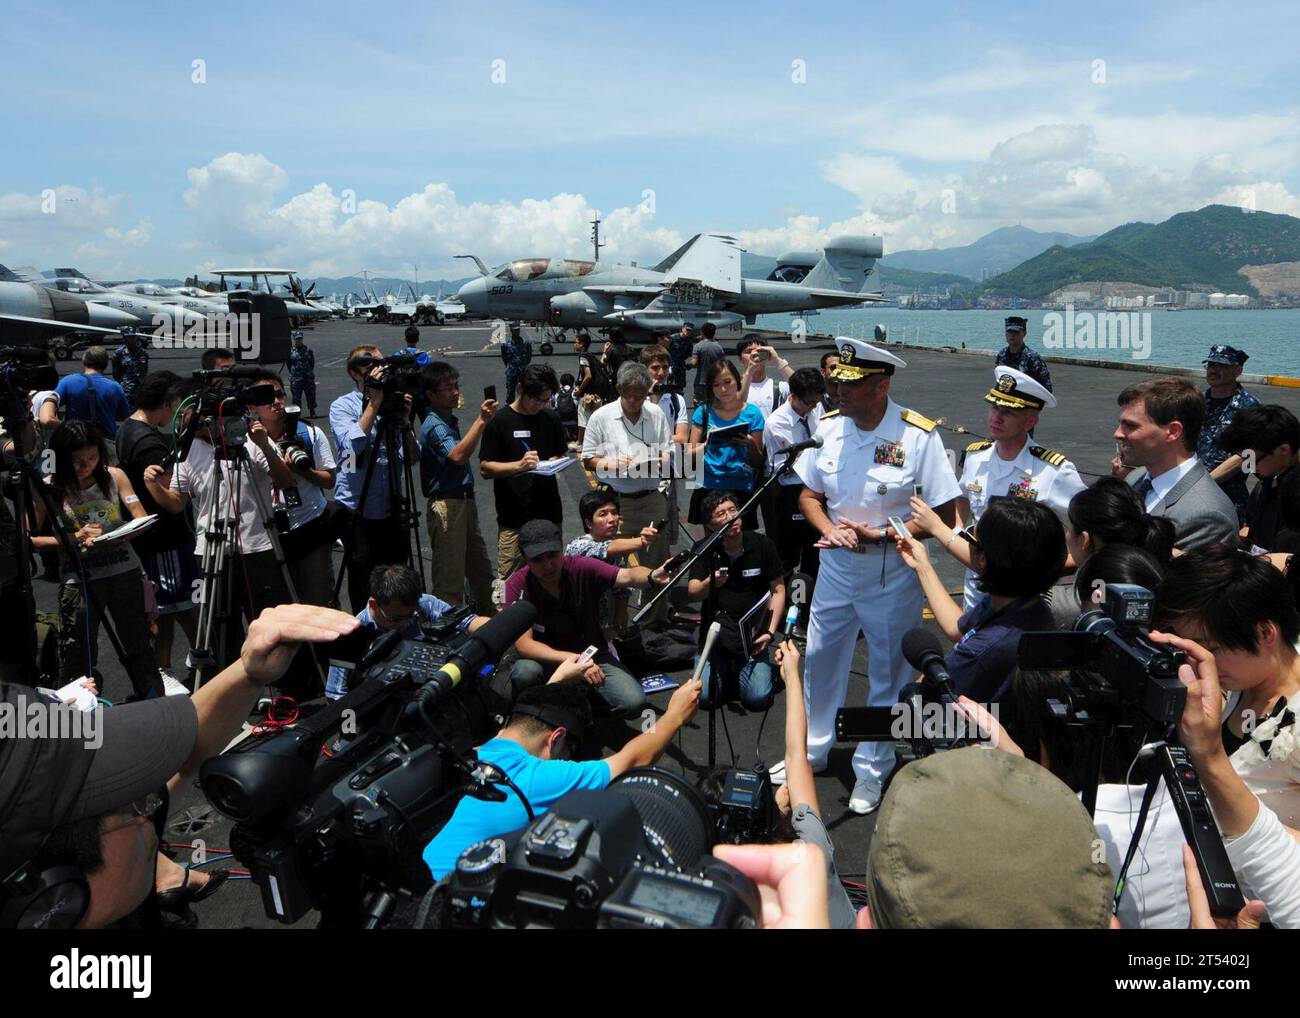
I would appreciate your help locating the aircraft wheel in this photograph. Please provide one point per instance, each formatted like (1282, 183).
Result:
(546, 349)
(61, 352)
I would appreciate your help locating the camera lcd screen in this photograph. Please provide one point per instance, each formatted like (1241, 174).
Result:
(689, 902)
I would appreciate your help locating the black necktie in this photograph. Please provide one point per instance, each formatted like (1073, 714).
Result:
(1144, 488)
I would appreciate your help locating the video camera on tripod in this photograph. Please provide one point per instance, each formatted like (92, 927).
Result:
(401, 375)
(344, 834)
(220, 408)
(22, 369)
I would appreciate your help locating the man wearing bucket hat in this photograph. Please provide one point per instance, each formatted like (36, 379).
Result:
(1017, 354)
(1224, 397)
(875, 456)
(1010, 464)
(979, 839)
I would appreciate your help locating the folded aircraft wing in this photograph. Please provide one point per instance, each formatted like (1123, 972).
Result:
(709, 259)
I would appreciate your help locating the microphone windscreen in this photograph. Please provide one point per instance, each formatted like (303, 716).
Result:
(918, 644)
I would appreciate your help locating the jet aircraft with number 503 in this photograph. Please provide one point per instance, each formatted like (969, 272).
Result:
(699, 282)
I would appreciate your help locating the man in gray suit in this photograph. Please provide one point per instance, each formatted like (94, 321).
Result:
(1159, 425)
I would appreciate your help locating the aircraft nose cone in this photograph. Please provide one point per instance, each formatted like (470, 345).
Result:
(108, 318)
(474, 294)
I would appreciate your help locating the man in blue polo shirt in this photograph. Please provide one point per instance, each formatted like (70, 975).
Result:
(377, 538)
(533, 749)
(92, 396)
(459, 554)
(396, 603)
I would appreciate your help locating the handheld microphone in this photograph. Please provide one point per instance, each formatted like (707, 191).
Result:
(709, 640)
(816, 442)
(924, 652)
(791, 617)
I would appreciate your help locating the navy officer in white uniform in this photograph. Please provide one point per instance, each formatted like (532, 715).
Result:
(1011, 464)
(875, 455)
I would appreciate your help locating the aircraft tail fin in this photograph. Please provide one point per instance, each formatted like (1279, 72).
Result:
(8, 275)
(848, 264)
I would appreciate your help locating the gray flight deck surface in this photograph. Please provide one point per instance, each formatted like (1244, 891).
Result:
(936, 383)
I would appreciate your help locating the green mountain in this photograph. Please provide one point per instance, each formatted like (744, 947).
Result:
(1207, 246)
(999, 251)
(914, 280)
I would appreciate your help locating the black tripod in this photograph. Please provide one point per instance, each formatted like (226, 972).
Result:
(394, 432)
(19, 483)
(218, 610)
(709, 547)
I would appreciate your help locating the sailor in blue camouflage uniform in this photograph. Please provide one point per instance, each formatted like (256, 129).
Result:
(1019, 356)
(516, 353)
(130, 363)
(302, 372)
(1223, 399)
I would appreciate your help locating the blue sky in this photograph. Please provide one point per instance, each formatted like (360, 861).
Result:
(337, 137)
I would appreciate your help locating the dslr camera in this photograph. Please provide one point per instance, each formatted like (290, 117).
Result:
(632, 856)
(295, 446)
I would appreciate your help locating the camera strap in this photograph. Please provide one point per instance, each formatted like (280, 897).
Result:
(1147, 797)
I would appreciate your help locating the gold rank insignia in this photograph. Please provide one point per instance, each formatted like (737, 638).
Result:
(977, 446)
(919, 420)
(1050, 456)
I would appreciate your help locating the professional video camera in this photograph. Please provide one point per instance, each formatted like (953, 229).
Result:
(220, 408)
(344, 834)
(22, 370)
(1111, 662)
(633, 855)
(1119, 678)
(926, 719)
(401, 376)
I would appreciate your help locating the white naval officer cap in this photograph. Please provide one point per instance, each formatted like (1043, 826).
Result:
(859, 360)
(1014, 390)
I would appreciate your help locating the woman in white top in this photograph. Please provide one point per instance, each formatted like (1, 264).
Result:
(1242, 610)
(95, 499)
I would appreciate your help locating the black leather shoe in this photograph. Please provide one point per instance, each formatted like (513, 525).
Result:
(176, 901)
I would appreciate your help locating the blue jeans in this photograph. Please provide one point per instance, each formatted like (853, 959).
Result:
(620, 690)
(754, 679)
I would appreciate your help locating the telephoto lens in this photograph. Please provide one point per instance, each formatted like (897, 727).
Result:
(634, 855)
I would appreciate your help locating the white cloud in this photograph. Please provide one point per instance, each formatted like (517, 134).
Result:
(233, 201)
(66, 223)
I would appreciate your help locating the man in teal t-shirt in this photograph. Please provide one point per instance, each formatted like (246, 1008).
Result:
(533, 750)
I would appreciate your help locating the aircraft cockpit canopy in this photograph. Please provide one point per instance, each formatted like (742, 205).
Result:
(524, 270)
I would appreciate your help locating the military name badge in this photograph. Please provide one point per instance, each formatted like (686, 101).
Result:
(891, 455)
(1025, 489)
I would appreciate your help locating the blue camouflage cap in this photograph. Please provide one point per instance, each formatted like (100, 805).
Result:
(1222, 354)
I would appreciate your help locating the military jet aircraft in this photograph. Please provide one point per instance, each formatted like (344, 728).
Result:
(699, 282)
(94, 297)
(299, 309)
(30, 313)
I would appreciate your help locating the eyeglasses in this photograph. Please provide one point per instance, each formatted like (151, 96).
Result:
(141, 809)
(399, 620)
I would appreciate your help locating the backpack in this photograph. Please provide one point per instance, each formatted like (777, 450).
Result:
(600, 384)
(565, 406)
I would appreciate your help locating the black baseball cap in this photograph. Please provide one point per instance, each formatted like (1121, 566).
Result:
(537, 537)
(49, 781)
(1015, 323)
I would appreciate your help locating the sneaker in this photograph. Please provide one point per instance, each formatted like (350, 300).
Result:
(777, 773)
(866, 797)
(172, 686)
